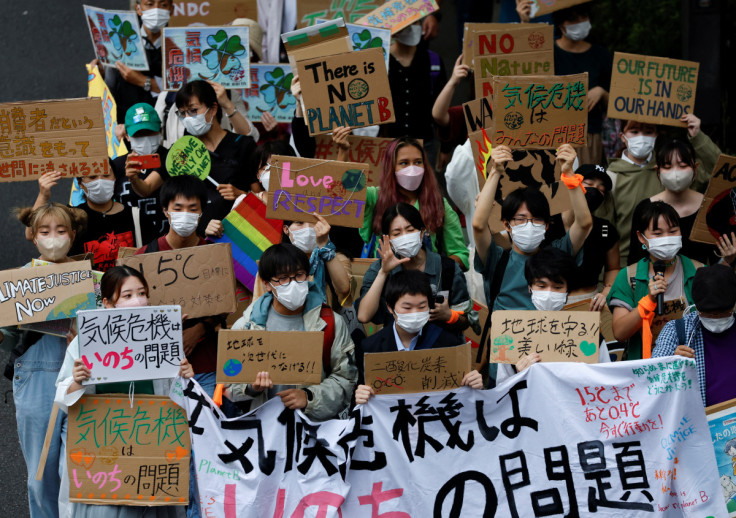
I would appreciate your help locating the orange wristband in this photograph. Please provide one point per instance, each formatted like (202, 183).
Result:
(573, 181)
(455, 316)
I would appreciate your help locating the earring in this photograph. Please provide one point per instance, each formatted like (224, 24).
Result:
(643, 247)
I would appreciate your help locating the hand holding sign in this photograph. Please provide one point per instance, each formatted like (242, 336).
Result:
(190, 156)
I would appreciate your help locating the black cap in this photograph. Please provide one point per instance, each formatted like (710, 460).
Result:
(596, 172)
(714, 288)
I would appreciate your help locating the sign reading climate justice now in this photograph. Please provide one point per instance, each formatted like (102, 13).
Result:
(559, 439)
(651, 89)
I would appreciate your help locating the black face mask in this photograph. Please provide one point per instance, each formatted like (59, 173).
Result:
(594, 197)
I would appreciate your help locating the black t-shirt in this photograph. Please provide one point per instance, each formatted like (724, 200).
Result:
(104, 235)
(151, 215)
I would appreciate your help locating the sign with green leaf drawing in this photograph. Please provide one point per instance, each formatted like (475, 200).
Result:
(218, 54)
(270, 91)
(364, 37)
(116, 37)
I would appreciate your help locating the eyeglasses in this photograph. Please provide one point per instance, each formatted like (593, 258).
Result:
(286, 279)
(188, 113)
(521, 220)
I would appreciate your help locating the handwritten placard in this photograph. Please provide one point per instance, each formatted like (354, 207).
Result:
(189, 156)
(717, 214)
(398, 14)
(67, 136)
(363, 37)
(96, 87)
(118, 455)
(538, 112)
(722, 425)
(425, 370)
(219, 54)
(130, 344)
(200, 279)
(290, 357)
(310, 11)
(299, 187)
(320, 40)
(542, 7)
(270, 92)
(116, 36)
(207, 12)
(349, 89)
(653, 90)
(478, 114)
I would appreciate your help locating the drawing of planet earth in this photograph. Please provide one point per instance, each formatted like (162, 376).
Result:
(232, 367)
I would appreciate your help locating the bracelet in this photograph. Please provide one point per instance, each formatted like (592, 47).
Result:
(572, 182)
(455, 316)
(230, 115)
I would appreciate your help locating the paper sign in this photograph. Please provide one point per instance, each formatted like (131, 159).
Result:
(542, 7)
(717, 214)
(300, 187)
(722, 425)
(478, 115)
(537, 112)
(557, 336)
(653, 90)
(398, 14)
(323, 39)
(54, 292)
(116, 36)
(270, 91)
(219, 54)
(118, 455)
(130, 344)
(67, 136)
(189, 155)
(425, 370)
(309, 11)
(349, 89)
(290, 357)
(211, 12)
(96, 87)
(199, 279)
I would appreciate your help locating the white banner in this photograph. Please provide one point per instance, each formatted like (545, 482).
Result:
(623, 439)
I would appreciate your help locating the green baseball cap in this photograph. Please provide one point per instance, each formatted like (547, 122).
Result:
(141, 116)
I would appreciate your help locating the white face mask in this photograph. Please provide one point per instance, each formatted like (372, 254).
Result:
(578, 31)
(265, 178)
(528, 236)
(100, 191)
(305, 239)
(410, 36)
(548, 300)
(145, 145)
(410, 177)
(155, 19)
(407, 245)
(676, 180)
(53, 248)
(412, 322)
(664, 248)
(198, 124)
(640, 146)
(717, 325)
(293, 295)
(184, 223)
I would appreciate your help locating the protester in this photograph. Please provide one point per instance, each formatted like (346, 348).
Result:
(36, 359)
(707, 334)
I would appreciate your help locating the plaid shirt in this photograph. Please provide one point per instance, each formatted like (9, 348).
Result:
(667, 342)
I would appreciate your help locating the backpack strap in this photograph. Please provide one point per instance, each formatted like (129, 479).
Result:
(435, 67)
(498, 274)
(328, 316)
(680, 328)
(447, 275)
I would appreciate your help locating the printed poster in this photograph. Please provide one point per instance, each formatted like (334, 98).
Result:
(270, 91)
(116, 36)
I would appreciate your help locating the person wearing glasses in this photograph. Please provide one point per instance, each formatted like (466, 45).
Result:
(293, 303)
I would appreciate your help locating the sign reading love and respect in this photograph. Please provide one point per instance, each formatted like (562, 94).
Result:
(557, 336)
(349, 89)
(289, 357)
(717, 214)
(300, 187)
(652, 90)
(540, 112)
(398, 14)
(118, 455)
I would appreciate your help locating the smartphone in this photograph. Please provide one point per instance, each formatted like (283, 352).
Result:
(148, 161)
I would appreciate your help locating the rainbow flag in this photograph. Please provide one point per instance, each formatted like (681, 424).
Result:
(249, 233)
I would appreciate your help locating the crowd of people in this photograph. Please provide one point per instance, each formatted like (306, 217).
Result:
(623, 245)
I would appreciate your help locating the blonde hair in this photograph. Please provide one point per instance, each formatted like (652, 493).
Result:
(74, 219)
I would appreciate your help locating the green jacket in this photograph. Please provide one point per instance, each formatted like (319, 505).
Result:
(453, 239)
(632, 184)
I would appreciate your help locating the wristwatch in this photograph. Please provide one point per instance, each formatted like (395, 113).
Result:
(147, 85)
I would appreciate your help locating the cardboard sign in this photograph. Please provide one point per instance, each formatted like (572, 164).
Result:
(398, 14)
(96, 87)
(556, 193)
(199, 279)
(471, 335)
(189, 156)
(289, 357)
(349, 89)
(653, 90)
(219, 54)
(323, 39)
(673, 310)
(211, 12)
(53, 292)
(528, 63)
(270, 91)
(537, 112)
(118, 455)
(722, 425)
(299, 187)
(717, 214)
(130, 344)
(363, 37)
(116, 36)
(469, 31)
(478, 115)
(425, 370)
(542, 7)
(67, 136)
(557, 336)
(310, 11)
